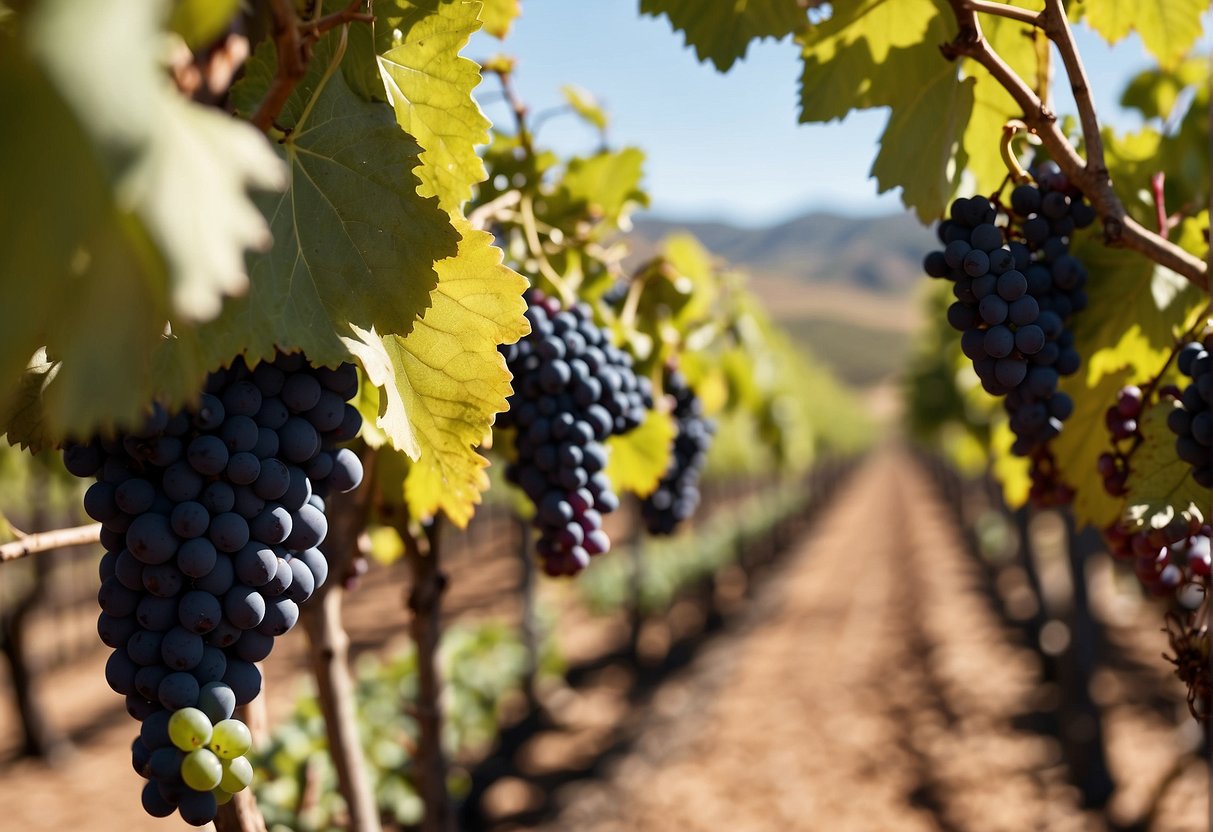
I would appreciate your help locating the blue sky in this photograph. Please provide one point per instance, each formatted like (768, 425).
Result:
(703, 131)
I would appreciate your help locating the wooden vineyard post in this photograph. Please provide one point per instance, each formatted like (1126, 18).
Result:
(528, 625)
(329, 647)
(425, 604)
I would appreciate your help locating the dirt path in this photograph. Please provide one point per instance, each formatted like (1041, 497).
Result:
(869, 686)
(871, 690)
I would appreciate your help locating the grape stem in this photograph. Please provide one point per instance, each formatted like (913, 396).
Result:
(294, 40)
(1090, 176)
(1009, 131)
(29, 544)
(1160, 203)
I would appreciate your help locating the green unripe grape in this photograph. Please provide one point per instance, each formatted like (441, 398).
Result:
(221, 797)
(231, 739)
(189, 729)
(201, 770)
(237, 774)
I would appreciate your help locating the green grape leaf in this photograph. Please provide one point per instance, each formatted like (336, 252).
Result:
(721, 32)
(1160, 483)
(499, 15)
(354, 244)
(447, 379)
(946, 118)
(1155, 92)
(1168, 28)
(430, 87)
(605, 185)
(139, 166)
(639, 458)
(918, 143)
(1077, 448)
(1136, 310)
(585, 105)
(182, 169)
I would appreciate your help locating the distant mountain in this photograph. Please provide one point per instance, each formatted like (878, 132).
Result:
(881, 254)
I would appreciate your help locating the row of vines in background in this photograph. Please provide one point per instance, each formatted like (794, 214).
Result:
(370, 179)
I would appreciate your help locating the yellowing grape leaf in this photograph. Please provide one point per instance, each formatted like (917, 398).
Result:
(585, 105)
(201, 21)
(499, 15)
(606, 184)
(1168, 28)
(1012, 471)
(448, 379)
(430, 87)
(640, 457)
(1160, 483)
(721, 32)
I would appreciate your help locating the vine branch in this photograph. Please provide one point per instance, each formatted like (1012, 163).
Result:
(293, 41)
(1005, 10)
(1091, 178)
(29, 544)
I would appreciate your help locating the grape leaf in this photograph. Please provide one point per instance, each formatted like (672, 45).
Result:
(585, 105)
(946, 119)
(921, 137)
(199, 22)
(1084, 437)
(1154, 92)
(1136, 310)
(430, 86)
(1014, 472)
(639, 458)
(182, 169)
(605, 185)
(499, 15)
(1125, 335)
(448, 378)
(354, 244)
(1168, 28)
(1161, 485)
(721, 32)
(137, 165)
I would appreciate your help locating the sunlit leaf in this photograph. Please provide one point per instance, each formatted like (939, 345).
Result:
(430, 87)
(640, 457)
(721, 32)
(1161, 485)
(1168, 28)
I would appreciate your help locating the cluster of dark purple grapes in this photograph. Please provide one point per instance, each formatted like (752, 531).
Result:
(572, 390)
(677, 494)
(1016, 286)
(1174, 560)
(211, 518)
(1192, 419)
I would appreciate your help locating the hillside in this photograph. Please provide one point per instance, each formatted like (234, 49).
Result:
(882, 254)
(844, 288)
